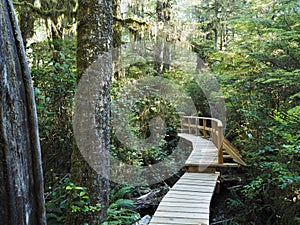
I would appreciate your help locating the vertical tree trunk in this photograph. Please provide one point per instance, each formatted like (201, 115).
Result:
(216, 24)
(162, 58)
(26, 22)
(159, 55)
(57, 22)
(21, 181)
(200, 64)
(94, 38)
(167, 56)
(57, 37)
(117, 36)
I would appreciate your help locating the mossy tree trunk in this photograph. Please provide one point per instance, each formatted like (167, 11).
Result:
(21, 180)
(26, 19)
(94, 38)
(162, 58)
(117, 36)
(61, 16)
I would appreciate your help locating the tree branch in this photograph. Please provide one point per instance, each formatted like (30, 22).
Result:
(39, 11)
(130, 20)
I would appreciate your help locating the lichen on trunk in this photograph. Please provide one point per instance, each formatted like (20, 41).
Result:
(94, 38)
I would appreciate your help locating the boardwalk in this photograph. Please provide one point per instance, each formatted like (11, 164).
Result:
(204, 153)
(188, 201)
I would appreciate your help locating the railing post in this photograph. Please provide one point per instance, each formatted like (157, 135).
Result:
(197, 126)
(189, 123)
(220, 145)
(204, 129)
(183, 124)
(213, 132)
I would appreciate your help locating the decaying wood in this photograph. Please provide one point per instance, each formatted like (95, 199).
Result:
(150, 199)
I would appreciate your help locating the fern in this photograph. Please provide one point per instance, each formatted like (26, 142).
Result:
(123, 203)
(121, 210)
(120, 193)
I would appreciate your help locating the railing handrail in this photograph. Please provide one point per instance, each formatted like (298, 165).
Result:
(215, 129)
(220, 124)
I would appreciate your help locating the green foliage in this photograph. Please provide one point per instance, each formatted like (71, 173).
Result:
(199, 99)
(120, 192)
(235, 201)
(227, 222)
(143, 122)
(120, 211)
(79, 199)
(139, 69)
(259, 74)
(270, 142)
(254, 48)
(54, 86)
(67, 196)
(142, 113)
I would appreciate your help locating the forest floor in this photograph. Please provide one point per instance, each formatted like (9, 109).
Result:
(221, 212)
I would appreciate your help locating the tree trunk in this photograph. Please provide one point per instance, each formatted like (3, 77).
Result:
(62, 16)
(94, 38)
(162, 58)
(200, 64)
(21, 180)
(27, 22)
(216, 25)
(117, 36)
(159, 55)
(167, 56)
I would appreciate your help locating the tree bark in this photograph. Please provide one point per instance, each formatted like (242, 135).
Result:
(21, 180)
(27, 23)
(158, 57)
(94, 38)
(162, 58)
(117, 42)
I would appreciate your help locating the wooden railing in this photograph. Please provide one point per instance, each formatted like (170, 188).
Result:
(208, 128)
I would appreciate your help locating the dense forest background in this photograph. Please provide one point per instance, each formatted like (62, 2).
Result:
(251, 47)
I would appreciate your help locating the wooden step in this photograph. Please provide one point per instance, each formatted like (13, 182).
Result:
(214, 165)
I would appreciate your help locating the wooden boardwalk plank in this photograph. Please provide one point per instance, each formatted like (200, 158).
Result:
(205, 192)
(204, 151)
(167, 208)
(180, 204)
(184, 215)
(188, 202)
(186, 188)
(193, 182)
(179, 221)
(195, 176)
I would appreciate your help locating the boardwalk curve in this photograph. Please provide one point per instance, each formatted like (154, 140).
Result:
(188, 201)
